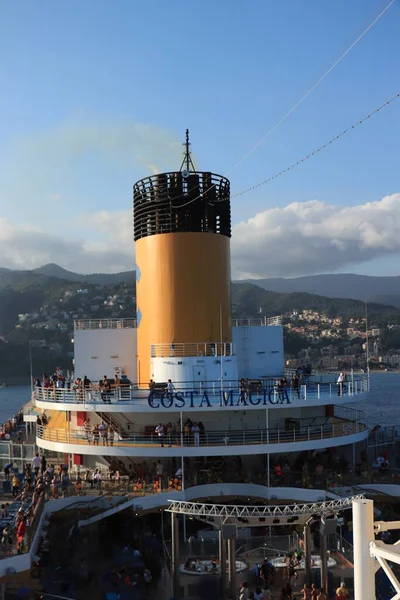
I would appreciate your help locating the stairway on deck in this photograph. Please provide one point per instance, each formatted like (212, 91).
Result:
(57, 419)
(57, 426)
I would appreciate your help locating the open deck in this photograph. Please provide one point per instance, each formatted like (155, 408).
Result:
(116, 323)
(194, 395)
(345, 426)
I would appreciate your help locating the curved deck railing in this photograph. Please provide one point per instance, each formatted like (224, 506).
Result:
(83, 324)
(227, 394)
(318, 429)
(217, 349)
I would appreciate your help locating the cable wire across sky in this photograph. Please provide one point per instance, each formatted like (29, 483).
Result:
(314, 87)
(311, 154)
(301, 100)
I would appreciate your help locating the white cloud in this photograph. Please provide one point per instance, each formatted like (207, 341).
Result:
(302, 238)
(80, 165)
(27, 247)
(315, 237)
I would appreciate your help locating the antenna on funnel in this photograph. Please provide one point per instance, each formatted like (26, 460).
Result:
(187, 163)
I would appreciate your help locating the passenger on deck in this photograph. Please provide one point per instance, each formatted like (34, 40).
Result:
(105, 387)
(160, 431)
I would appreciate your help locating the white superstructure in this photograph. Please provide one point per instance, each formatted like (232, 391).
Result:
(192, 397)
(253, 420)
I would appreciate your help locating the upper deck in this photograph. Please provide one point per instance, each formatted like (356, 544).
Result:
(90, 324)
(213, 396)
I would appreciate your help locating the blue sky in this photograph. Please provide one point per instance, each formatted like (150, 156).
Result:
(98, 94)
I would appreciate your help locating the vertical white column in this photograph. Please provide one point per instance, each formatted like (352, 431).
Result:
(222, 560)
(324, 558)
(363, 534)
(175, 553)
(183, 472)
(267, 426)
(183, 488)
(232, 566)
(307, 552)
(181, 422)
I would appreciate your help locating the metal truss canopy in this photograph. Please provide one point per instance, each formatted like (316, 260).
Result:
(245, 516)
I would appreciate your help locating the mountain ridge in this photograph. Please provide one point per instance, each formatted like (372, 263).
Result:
(53, 270)
(343, 285)
(338, 285)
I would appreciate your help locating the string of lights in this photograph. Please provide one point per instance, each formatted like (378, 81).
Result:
(311, 154)
(301, 100)
(313, 87)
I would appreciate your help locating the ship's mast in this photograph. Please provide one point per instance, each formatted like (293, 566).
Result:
(187, 162)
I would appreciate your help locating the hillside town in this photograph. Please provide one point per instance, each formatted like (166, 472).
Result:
(311, 336)
(335, 343)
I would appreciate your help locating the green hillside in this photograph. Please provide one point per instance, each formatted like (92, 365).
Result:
(248, 298)
(40, 309)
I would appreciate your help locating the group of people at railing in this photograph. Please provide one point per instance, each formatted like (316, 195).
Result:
(50, 386)
(191, 432)
(323, 470)
(58, 380)
(108, 432)
(42, 481)
(11, 428)
(28, 491)
(81, 389)
(100, 432)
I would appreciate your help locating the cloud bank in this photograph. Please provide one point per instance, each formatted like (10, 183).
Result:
(299, 239)
(315, 237)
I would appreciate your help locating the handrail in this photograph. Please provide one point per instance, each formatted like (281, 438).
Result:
(258, 322)
(124, 323)
(227, 437)
(131, 393)
(192, 349)
(82, 324)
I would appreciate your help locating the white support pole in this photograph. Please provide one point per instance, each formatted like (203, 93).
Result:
(363, 535)
(183, 473)
(268, 465)
(183, 488)
(222, 560)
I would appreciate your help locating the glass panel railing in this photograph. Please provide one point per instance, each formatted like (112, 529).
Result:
(28, 451)
(305, 430)
(265, 391)
(5, 449)
(16, 450)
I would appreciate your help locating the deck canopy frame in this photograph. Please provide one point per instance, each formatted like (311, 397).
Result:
(260, 516)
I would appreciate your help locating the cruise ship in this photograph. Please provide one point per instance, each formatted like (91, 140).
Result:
(183, 402)
(185, 386)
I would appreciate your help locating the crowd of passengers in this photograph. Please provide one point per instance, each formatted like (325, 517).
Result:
(56, 380)
(105, 434)
(99, 433)
(60, 381)
(169, 434)
(37, 481)
(10, 429)
(54, 480)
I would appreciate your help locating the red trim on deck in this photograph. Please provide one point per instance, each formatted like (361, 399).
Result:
(80, 417)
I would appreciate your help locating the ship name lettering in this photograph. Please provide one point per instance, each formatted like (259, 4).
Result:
(194, 399)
